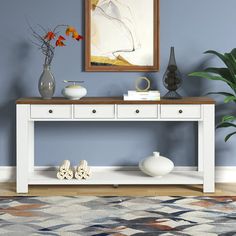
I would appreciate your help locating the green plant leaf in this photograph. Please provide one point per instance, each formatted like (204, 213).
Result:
(228, 118)
(231, 61)
(233, 52)
(229, 96)
(224, 72)
(230, 99)
(225, 125)
(220, 93)
(206, 75)
(229, 136)
(225, 60)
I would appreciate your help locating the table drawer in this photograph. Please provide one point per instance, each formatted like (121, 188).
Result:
(94, 111)
(180, 111)
(51, 111)
(137, 111)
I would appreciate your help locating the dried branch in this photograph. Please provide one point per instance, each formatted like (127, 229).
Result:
(43, 44)
(47, 40)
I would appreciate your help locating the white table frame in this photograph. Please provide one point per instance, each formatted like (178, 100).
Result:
(206, 153)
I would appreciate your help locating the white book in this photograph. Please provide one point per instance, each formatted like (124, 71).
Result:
(133, 98)
(144, 95)
(153, 92)
(142, 98)
(152, 96)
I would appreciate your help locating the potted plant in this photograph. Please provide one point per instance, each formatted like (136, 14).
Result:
(226, 75)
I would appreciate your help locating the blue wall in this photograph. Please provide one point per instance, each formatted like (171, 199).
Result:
(189, 25)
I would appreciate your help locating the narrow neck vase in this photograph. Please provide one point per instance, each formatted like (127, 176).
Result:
(46, 84)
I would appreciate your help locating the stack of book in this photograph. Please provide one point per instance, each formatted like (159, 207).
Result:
(153, 95)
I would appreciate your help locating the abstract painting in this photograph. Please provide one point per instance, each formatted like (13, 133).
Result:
(122, 35)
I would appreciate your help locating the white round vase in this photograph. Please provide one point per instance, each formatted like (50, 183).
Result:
(156, 165)
(74, 92)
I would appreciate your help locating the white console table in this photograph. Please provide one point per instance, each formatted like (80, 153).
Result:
(200, 109)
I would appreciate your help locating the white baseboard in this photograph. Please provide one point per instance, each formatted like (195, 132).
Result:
(7, 174)
(224, 174)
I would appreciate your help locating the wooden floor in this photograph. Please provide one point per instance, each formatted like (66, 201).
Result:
(8, 189)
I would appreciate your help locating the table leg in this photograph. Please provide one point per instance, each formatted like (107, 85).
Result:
(22, 147)
(208, 136)
(31, 146)
(200, 146)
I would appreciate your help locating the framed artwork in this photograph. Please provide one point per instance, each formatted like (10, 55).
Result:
(122, 35)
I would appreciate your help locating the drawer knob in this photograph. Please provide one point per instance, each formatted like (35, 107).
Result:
(50, 111)
(180, 111)
(137, 111)
(94, 111)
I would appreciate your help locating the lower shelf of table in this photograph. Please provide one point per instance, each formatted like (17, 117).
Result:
(118, 177)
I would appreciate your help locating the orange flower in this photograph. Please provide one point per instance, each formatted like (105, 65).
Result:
(79, 37)
(50, 35)
(75, 34)
(59, 42)
(61, 38)
(70, 30)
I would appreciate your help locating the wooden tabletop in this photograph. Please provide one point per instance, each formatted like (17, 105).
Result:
(114, 100)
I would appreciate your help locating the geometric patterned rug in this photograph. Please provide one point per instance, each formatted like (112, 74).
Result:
(118, 216)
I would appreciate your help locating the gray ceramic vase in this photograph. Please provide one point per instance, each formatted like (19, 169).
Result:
(46, 83)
